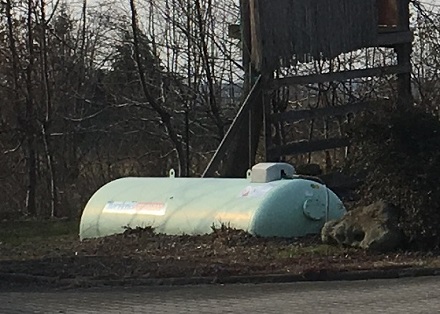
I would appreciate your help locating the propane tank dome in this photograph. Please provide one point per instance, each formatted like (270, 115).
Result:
(271, 171)
(270, 202)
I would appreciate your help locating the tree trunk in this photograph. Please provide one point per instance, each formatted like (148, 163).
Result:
(30, 120)
(162, 112)
(203, 46)
(48, 117)
(31, 208)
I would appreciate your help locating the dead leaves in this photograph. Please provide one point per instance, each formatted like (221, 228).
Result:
(225, 252)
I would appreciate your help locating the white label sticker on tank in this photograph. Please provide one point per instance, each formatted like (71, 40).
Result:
(256, 191)
(309, 193)
(133, 208)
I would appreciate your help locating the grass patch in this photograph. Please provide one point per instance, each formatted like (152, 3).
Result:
(16, 232)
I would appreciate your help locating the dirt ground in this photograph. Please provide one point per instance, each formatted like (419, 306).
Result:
(140, 253)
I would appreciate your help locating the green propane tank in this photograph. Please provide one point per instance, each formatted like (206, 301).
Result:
(271, 202)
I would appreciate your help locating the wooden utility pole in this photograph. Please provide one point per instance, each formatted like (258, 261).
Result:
(241, 155)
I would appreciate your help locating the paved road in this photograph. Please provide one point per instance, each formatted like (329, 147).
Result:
(415, 295)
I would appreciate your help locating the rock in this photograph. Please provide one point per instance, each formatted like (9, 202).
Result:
(374, 227)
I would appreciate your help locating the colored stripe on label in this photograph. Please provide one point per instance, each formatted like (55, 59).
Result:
(133, 208)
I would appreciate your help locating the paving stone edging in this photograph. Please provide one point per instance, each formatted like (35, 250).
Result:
(13, 279)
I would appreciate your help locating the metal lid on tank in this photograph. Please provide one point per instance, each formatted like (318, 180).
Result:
(271, 171)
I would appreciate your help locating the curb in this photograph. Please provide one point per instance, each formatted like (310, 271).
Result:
(12, 279)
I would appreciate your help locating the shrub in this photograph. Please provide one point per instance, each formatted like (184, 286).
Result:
(398, 154)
